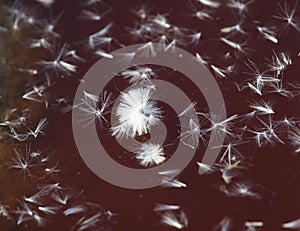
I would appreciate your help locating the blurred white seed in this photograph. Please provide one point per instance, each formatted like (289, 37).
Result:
(165, 207)
(150, 154)
(46, 3)
(210, 3)
(295, 224)
(179, 222)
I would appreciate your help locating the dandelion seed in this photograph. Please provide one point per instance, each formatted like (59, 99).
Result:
(45, 191)
(288, 15)
(256, 89)
(234, 28)
(136, 113)
(147, 50)
(242, 7)
(210, 3)
(177, 32)
(48, 28)
(141, 13)
(94, 107)
(202, 15)
(279, 89)
(253, 225)
(168, 181)
(260, 137)
(267, 134)
(139, 74)
(232, 44)
(165, 207)
(295, 224)
(225, 224)
(52, 170)
(74, 56)
(268, 34)
(23, 162)
(191, 137)
(67, 66)
(296, 89)
(174, 183)
(24, 208)
(98, 38)
(219, 127)
(288, 122)
(104, 54)
(39, 220)
(163, 40)
(126, 58)
(261, 78)
(46, 3)
(16, 16)
(4, 211)
(160, 20)
(29, 71)
(230, 152)
(100, 41)
(169, 218)
(90, 15)
(33, 199)
(172, 172)
(228, 175)
(219, 72)
(25, 213)
(91, 222)
(7, 121)
(280, 62)
(49, 209)
(62, 197)
(59, 64)
(262, 108)
(91, 2)
(195, 38)
(39, 128)
(205, 168)
(37, 94)
(200, 59)
(141, 32)
(40, 43)
(75, 210)
(48, 188)
(171, 46)
(294, 137)
(18, 136)
(243, 190)
(188, 109)
(150, 154)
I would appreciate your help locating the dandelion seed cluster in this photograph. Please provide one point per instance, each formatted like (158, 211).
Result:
(250, 46)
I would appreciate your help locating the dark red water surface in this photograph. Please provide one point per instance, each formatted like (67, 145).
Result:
(274, 169)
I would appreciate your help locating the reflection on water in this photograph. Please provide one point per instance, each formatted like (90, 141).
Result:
(251, 47)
